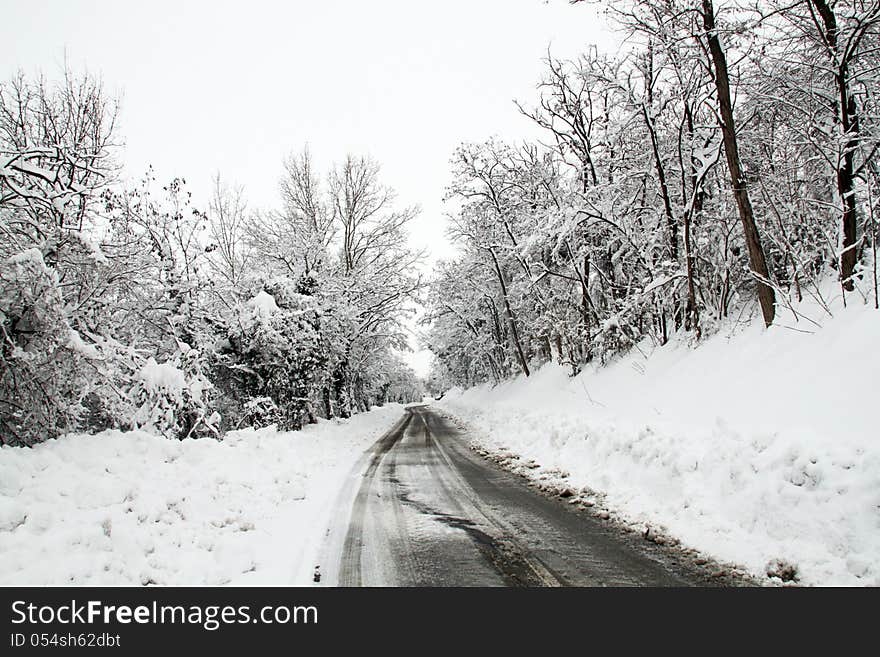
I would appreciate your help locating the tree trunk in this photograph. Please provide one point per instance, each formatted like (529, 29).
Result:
(586, 308)
(496, 331)
(325, 397)
(341, 392)
(661, 179)
(510, 316)
(671, 227)
(692, 312)
(363, 404)
(766, 295)
(849, 126)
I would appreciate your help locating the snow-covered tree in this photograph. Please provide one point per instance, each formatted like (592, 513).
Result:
(710, 165)
(56, 161)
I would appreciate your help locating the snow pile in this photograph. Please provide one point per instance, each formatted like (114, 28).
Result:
(758, 447)
(130, 508)
(162, 377)
(262, 305)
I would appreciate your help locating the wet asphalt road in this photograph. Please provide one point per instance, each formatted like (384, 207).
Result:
(427, 511)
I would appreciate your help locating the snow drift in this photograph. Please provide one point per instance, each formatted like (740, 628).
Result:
(757, 446)
(131, 508)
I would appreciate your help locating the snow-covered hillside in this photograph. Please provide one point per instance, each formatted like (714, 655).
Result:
(132, 508)
(759, 445)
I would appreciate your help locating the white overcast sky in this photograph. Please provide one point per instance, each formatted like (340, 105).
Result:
(235, 86)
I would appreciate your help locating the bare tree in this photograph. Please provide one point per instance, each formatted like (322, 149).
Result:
(296, 237)
(56, 150)
(766, 294)
(364, 209)
(228, 218)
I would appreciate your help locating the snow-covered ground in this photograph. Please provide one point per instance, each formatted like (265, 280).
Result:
(133, 508)
(759, 445)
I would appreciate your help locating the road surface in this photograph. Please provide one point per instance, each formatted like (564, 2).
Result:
(421, 509)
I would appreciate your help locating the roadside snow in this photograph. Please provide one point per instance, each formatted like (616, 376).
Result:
(753, 447)
(130, 508)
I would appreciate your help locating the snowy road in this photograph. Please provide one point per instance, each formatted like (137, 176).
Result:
(426, 511)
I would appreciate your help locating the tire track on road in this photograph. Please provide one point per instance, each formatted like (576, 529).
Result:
(513, 562)
(350, 563)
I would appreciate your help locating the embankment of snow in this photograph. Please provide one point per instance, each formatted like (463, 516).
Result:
(753, 447)
(130, 508)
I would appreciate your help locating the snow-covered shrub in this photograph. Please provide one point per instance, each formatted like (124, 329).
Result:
(275, 352)
(781, 569)
(613, 338)
(260, 412)
(171, 401)
(54, 380)
(43, 373)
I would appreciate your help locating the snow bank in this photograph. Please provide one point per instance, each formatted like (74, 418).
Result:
(753, 447)
(123, 508)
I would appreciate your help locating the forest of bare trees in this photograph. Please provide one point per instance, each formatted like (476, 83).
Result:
(725, 161)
